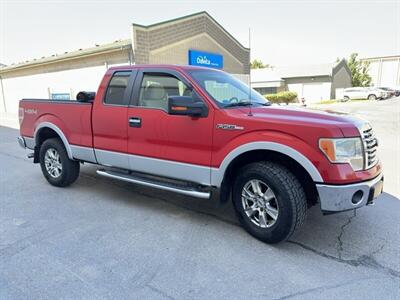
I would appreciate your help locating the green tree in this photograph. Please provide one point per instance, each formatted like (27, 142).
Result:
(258, 64)
(359, 71)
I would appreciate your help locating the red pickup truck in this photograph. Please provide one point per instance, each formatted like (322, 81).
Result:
(199, 131)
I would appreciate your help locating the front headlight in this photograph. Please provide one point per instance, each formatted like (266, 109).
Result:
(345, 150)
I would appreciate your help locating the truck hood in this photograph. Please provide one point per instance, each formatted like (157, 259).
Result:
(348, 124)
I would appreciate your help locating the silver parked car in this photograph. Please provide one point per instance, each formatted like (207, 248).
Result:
(364, 93)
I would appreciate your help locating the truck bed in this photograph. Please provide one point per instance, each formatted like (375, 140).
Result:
(72, 117)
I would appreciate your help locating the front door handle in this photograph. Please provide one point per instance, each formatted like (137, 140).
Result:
(135, 122)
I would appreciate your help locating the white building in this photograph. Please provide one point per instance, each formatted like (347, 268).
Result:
(384, 70)
(311, 82)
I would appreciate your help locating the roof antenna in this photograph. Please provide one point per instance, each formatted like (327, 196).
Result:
(250, 110)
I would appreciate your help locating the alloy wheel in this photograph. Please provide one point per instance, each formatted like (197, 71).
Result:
(260, 203)
(53, 163)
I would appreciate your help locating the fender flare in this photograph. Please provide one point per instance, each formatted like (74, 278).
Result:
(217, 174)
(58, 131)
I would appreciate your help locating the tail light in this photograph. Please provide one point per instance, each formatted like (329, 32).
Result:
(20, 115)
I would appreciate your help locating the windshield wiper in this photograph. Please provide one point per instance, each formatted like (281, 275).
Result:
(247, 103)
(242, 103)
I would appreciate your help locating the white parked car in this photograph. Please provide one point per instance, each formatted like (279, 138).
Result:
(364, 93)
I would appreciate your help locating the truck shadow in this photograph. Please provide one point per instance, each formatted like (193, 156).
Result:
(351, 234)
(344, 236)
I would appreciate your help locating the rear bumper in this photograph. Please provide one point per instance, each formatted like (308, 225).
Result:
(335, 198)
(21, 142)
(26, 142)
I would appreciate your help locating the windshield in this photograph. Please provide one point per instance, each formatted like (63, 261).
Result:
(226, 90)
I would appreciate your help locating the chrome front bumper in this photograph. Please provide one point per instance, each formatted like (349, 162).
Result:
(335, 198)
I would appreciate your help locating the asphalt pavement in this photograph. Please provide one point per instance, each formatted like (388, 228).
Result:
(105, 239)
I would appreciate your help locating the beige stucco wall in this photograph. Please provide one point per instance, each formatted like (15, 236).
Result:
(72, 76)
(115, 57)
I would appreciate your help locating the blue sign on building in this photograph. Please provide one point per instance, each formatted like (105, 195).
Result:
(206, 59)
(60, 96)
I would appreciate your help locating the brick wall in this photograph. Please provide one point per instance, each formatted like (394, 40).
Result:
(146, 41)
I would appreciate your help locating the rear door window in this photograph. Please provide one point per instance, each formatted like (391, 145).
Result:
(115, 94)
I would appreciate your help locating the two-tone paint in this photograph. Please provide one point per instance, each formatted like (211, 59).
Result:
(196, 149)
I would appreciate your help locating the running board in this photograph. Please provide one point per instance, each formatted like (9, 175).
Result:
(155, 184)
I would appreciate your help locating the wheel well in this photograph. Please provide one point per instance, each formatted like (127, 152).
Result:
(267, 155)
(44, 134)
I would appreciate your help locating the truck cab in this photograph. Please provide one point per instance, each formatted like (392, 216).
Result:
(201, 132)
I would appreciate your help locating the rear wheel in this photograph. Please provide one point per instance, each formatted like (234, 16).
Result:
(269, 201)
(346, 98)
(56, 167)
(371, 97)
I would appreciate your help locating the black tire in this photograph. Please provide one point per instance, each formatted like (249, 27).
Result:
(70, 169)
(289, 195)
(346, 98)
(372, 97)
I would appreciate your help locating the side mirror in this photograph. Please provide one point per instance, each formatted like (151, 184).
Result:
(187, 106)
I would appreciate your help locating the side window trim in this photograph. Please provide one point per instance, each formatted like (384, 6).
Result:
(128, 89)
(134, 101)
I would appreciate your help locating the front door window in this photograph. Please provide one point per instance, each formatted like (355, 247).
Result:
(156, 88)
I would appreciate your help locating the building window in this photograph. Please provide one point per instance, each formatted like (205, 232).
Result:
(266, 90)
(116, 88)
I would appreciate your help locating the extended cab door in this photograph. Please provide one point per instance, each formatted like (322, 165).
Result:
(109, 118)
(174, 146)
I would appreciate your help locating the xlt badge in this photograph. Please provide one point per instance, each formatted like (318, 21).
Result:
(229, 127)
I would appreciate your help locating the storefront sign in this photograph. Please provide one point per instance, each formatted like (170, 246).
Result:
(205, 59)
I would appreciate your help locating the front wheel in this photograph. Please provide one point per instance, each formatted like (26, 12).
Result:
(57, 168)
(269, 201)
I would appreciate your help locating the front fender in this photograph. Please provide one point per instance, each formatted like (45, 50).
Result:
(308, 157)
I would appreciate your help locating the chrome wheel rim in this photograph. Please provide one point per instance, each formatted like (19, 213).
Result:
(52, 162)
(260, 203)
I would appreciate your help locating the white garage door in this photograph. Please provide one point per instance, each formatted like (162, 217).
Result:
(312, 92)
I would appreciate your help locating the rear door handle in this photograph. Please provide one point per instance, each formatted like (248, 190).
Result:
(135, 122)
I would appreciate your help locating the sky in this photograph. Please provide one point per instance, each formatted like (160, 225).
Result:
(285, 32)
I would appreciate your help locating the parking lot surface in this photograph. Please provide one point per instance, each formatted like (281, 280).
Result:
(105, 239)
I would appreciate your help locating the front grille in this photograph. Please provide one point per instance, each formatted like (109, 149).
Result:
(370, 147)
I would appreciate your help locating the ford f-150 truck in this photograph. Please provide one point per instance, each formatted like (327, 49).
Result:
(201, 132)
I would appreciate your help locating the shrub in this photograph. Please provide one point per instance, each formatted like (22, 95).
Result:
(282, 97)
